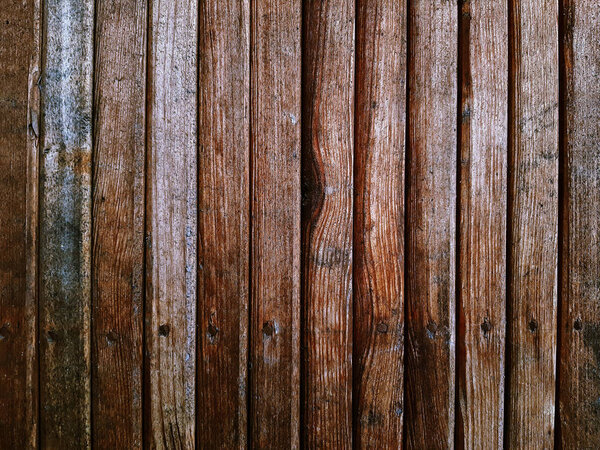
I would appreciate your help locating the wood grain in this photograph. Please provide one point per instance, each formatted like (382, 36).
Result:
(171, 225)
(580, 325)
(482, 228)
(65, 224)
(223, 223)
(118, 225)
(533, 222)
(327, 165)
(19, 131)
(275, 300)
(379, 223)
(431, 227)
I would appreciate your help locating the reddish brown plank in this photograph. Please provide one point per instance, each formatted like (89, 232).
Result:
(431, 212)
(580, 320)
(223, 233)
(19, 129)
(118, 226)
(171, 225)
(482, 228)
(379, 223)
(533, 222)
(327, 164)
(275, 300)
(65, 224)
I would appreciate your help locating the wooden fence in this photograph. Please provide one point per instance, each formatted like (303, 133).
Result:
(284, 224)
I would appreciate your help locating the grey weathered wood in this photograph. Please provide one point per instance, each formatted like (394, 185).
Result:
(171, 224)
(65, 220)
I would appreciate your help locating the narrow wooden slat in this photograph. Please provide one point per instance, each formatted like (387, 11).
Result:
(327, 164)
(482, 229)
(431, 211)
(379, 223)
(275, 300)
(223, 207)
(533, 222)
(19, 130)
(171, 224)
(65, 224)
(580, 325)
(118, 225)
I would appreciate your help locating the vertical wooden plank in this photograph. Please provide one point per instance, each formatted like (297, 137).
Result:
(118, 225)
(431, 211)
(224, 142)
(379, 223)
(327, 164)
(533, 226)
(171, 224)
(482, 229)
(275, 309)
(19, 130)
(580, 325)
(65, 224)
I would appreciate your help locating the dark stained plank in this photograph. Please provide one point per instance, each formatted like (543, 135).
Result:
(118, 225)
(65, 224)
(19, 130)
(327, 165)
(431, 225)
(171, 225)
(482, 227)
(580, 325)
(533, 223)
(379, 223)
(275, 299)
(223, 220)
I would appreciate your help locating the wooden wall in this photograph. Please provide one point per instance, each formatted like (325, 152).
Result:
(299, 224)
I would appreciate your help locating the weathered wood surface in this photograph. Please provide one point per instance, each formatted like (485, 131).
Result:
(65, 224)
(579, 358)
(118, 223)
(223, 221)
(533, 223)
(327, 165)
(259, 250)
(483, 47)
(19, 140)
(171, 225)
(275, 301)
(379, 223)
(431, 210)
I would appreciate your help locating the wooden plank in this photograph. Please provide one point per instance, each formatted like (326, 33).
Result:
(275, 300)
(171, 224)
(327, 165)
(65, 224)
(482, 228)
(118, 226)
(580, 325)
(379, 223)
(224, 142)
(19, 130)
(431, 211)
(533, 222)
